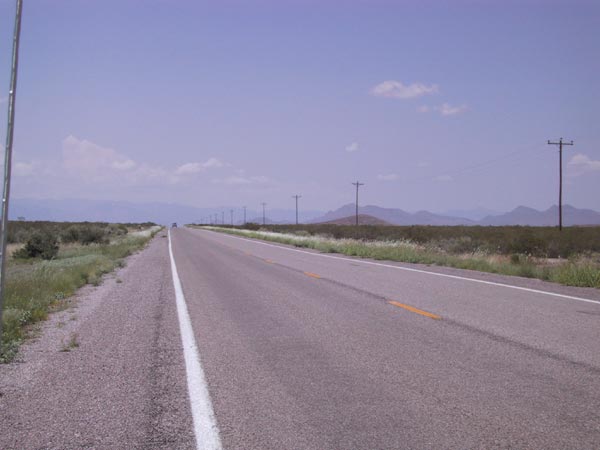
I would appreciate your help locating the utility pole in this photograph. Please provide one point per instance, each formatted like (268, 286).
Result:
(264, 217)
(223, 217)
(10, 126)
(244, 215)
(560, 144)
(357, 184)
(296, 197)
(231, 213)
(216, 219)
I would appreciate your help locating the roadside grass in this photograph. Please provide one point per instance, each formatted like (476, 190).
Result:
(35, 287)
(578, 270)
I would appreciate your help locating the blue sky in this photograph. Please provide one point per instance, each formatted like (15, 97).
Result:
(433, 105)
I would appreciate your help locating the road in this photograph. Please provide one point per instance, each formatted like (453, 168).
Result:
(302, 350)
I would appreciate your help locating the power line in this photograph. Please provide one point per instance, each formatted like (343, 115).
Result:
(357, 184)
(560, 144)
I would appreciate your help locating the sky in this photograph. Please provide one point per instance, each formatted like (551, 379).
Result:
(434, 105)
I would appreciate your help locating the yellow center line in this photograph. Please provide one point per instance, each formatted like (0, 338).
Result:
(415, 310)
(310, 274)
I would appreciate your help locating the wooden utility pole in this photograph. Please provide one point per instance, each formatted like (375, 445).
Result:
(296, 197)
(357, 184)
(560, 144)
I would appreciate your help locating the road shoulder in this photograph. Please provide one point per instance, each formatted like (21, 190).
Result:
(107, 372)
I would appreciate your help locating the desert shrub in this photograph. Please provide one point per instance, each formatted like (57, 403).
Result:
(528, 244)
(116, 229)
(70, 234)
(40, 244)
(92, 234)
(251, 226)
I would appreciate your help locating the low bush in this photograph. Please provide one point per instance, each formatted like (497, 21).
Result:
(40, 244)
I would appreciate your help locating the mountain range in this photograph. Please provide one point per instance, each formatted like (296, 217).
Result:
(521, 215)
(166, 213)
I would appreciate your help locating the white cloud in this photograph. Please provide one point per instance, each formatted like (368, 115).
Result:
(194, 167)
(239, 180)
(444, 178)
(388, 177)
(123, 164)
(580, 164)
(91, 161)
(396, 89)
(352, 147)
(189, 168)
(212, 162)
(23, 169)
(446, 109)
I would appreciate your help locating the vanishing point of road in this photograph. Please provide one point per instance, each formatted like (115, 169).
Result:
(254, 345)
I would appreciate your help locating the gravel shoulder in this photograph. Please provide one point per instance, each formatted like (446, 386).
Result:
(107, 372)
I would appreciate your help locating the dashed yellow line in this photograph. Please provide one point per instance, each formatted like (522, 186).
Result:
(310, 274)
(415, 310)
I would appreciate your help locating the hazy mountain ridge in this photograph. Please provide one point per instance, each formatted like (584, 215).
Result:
(521, 215)
(76, 210)
(393, 216)
(165, 213)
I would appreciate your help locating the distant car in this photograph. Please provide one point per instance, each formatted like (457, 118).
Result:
(174, 225)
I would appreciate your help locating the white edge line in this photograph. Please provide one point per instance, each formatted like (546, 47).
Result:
(409, 269)
(203, 417)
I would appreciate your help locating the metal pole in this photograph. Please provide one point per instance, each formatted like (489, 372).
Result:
(12, 95)
(264, 219)
(231, 213)
(244, 215)
(223, 217)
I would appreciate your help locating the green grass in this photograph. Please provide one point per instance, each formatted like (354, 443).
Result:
(34, 288)
(578, 270)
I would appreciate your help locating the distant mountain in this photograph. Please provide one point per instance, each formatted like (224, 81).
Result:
(393, 216)
(523, 215)
(474, 214)
(166, 213)
(363, 219)
(76, 210)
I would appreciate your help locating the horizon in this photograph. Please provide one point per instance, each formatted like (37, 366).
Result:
(235, 104)
(72, 209)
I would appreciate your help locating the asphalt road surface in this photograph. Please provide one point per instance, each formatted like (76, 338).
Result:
(301, 350)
